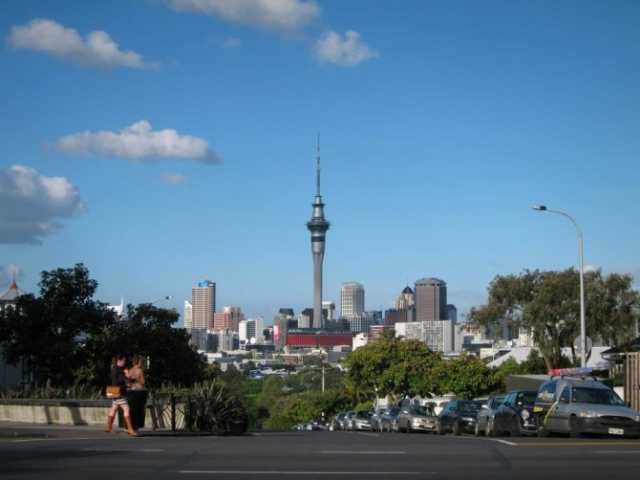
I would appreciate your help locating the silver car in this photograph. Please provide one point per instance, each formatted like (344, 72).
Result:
(486, 415)
(585, 406)
(417, 419)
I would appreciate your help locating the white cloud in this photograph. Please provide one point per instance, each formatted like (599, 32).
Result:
(232, 42)
(8, 273)
(97, 50)
(271, 14)
(139, 142)
(590, 268)
(32, 204)
(347, 51)
(173, 178)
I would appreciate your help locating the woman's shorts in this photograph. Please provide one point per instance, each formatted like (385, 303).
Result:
(119, 402)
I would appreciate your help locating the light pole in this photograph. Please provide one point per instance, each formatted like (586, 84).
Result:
(583, 334)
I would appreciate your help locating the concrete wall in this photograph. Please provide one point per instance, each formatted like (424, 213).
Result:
(76, 412)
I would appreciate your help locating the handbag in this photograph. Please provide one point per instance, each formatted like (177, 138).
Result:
(113, 391)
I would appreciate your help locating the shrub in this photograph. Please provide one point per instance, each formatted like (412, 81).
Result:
(212, 408)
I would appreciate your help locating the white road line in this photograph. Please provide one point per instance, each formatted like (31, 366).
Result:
(127, 450)
(295, 472)
(29, 440)
(368, 434)
(617, 452)
(362, 452)
(504, 442)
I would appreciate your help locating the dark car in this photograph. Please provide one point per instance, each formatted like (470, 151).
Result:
(389, 420)
(484, 422)
(337, 422)
(458, 416)
(515, 415)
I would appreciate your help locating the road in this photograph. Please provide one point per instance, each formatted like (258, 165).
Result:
(74, 453)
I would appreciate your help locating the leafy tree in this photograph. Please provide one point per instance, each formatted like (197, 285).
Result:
(547, 303)
(48, 332)
(467, 376)
(391, 366)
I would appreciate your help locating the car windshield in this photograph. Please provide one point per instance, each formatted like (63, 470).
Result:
(393, 411)
(469, 407)
(526, 398)
(363, 414)
(424, 411)
(602, 396)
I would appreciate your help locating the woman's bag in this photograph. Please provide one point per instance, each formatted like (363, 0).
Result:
(113, 391)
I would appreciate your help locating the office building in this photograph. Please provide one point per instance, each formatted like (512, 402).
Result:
(351, 299)
(314, 338)
(305, 318)
(203, 301)
(228, 319)
(406, 299)
(452, 313)
(438, 335)
(188, 315)
(430, 299)
(377, 331)
(328, 311)
(318, 227)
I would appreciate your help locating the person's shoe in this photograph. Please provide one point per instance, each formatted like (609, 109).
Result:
(130, 430)
(109, 427)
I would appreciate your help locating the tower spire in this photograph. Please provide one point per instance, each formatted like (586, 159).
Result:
(318, 166)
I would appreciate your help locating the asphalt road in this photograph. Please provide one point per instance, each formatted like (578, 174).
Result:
(36, 453)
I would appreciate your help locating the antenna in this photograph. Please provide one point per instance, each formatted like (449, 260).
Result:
(318, 166)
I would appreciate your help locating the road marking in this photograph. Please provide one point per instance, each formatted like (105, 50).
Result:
(504, 442)
(368, 434)
(294, 472)
(579, 444)
(28, 440)
(362, 452)
(127, 450)
(616, 452)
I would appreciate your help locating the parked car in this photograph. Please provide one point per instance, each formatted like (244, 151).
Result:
(458, 416)
(337, 423)
(579, 405)
(484, 421)
(389, 420)
(376, 418)
(360, 421)
(515, 415)
(416, 418)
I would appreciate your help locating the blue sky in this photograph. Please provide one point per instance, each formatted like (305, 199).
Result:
(441, 123)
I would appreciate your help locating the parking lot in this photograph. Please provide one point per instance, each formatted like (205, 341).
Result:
(27, 453)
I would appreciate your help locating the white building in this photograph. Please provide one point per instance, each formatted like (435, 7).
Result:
(329, 310)
(351, 299)
(225, 340)
(437, 334)
(188, 315)
(360, 340)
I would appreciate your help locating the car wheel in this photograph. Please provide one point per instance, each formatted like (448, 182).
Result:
(456, 428)
(515, 428)
(439, 429)
(476, 430)
(488, 429)
(574, 427)
(543, 432)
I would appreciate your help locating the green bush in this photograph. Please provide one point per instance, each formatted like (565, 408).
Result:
(212, 408)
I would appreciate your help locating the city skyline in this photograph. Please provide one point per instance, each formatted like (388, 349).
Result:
(440, 130)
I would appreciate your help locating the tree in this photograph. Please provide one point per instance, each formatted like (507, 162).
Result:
(391, 366)
(467, 376)
(48, 332)
(547, 304)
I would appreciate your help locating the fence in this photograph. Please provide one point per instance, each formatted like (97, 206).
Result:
(632, 380)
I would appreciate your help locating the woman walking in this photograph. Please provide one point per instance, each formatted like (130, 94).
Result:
(119, 380)
(137, 393)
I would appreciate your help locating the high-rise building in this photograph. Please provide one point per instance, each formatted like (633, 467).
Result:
(452, 313)
(328, 311)
(438, 335)
(228, 319)
(305, 318)
(431, 299)
(203, 301)
(188, 315)
(255, 330)
(318, 227)
(351, 299)
(406, 299)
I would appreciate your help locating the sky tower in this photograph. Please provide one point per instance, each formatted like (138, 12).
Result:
(318, 227)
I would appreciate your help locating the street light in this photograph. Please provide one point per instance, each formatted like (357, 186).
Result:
(583, 336)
